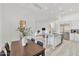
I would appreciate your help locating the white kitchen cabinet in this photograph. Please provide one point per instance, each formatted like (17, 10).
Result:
(54, 40)
(57, 40)
(78, 37)
(74, 36)
(51, 40)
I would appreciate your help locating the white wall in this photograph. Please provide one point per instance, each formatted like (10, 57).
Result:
(10, 21)
(12, 13)
(1, 44)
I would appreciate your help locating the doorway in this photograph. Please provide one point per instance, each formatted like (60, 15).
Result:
(65, 30)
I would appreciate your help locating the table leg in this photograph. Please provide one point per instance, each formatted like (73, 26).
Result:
(43, 53)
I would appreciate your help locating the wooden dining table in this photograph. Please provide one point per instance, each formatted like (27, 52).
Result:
(30, 49)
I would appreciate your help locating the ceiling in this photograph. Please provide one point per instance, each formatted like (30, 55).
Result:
(53, 9)
(49, 10)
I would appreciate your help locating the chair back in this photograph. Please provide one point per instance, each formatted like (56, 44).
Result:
(40, 43)
(7, 47)
(33, 40)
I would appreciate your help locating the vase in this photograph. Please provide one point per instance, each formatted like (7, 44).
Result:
(24, 41)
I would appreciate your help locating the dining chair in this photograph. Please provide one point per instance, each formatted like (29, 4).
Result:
(33, 40)
(7, 47)
(40, 43)
(2, 53)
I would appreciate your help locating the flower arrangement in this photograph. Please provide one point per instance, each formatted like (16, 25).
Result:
(25, 31)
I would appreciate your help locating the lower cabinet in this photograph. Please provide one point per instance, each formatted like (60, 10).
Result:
(54, 40)
(74, 36)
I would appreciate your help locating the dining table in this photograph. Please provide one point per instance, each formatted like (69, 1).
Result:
(30, 49)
